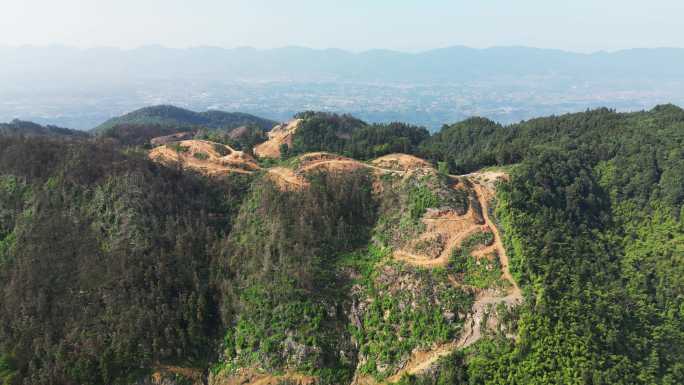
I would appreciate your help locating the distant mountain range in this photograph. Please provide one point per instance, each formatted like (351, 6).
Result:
(82, 88)
(457, 63)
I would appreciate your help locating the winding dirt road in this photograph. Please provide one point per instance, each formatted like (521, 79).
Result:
(484, 197)
(421, 361)
(443, 259)
(484, 188)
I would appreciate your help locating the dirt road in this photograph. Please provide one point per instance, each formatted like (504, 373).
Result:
(421, 361)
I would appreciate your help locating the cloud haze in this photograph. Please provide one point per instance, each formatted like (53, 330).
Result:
(580, 25)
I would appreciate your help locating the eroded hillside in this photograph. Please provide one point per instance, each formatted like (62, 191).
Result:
(424, 275)
(209, 158)
(365, 267)
(281, 135)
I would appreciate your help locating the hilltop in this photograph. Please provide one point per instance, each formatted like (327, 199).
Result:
(166, 115)
(208, 158)
(141, 126)
(19, 127)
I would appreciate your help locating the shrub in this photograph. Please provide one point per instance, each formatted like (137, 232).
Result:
(201, 155)
(221, 149)
(178, 147)
(420, 199)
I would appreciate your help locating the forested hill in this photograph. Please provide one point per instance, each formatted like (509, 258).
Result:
(478, 142)
(317, 268)
(174, 116)
(18, 127)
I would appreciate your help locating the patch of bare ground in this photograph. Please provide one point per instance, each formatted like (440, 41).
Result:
(333, 163)
(485, 300)
(252, 377)
(161, 140)
(422, 361)
(400, 162)
(294, 179)
(488, 180)
(162, 373)
(209, 158)
(485, 193)
(279, 135)
(286, 179)
(445, 229)
(323, 161)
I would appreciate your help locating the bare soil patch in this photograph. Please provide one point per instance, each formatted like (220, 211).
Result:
(161, 140)
(209, 158)
(252, 377)
(486, 300)
(401, 162)
(286, 179)
(279, 135)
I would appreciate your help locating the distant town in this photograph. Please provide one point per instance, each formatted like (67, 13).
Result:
(429, 105)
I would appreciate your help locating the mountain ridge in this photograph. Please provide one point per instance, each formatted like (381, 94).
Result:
(27, 128)
(301, 63)
(166, 114)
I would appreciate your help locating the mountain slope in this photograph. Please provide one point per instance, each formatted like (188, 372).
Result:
(18, 127)
(166, 115)
(340, 133)
(331, 270)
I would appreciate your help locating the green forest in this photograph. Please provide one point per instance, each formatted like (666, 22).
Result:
(113, 267)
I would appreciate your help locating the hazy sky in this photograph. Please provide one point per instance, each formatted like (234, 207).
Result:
(579, 25)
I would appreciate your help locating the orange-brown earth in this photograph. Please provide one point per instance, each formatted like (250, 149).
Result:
(252, 377)
(293, 179)
(400, 162)
(162, 373)
(445, 227)
(158, 141)
(279, 135)
(485, 300)
(286, 179)
(206, 157)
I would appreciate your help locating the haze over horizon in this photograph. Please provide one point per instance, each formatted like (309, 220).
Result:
(341, 192)
(354, 25)
(346, 50)
(77, 63)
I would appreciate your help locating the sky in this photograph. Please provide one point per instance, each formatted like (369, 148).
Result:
(356, 25)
